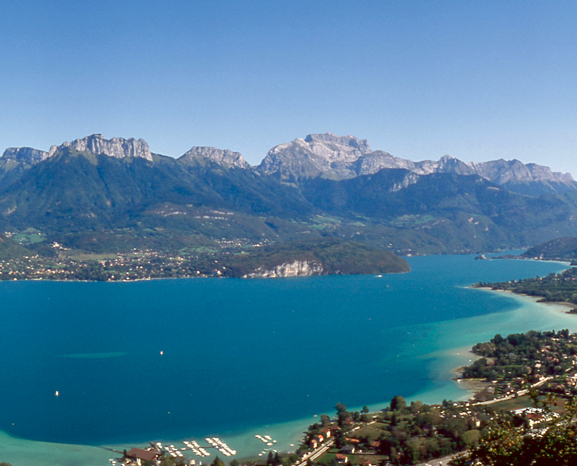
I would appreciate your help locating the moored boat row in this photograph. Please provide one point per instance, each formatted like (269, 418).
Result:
(221, 446)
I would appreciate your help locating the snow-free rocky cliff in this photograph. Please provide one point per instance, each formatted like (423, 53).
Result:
(344, 157)
(115, 147)
(316, 156)
(223, 157)
(25, 154)
(293, 269)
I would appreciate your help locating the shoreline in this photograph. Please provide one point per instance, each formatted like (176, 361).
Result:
(39, 453)
(475, 386)
(471, 386)
(193, 277)
(28, 450)
(287, 437)
(534, 299)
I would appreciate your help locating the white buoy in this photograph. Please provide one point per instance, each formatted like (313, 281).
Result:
(57, 393)
(161, 353)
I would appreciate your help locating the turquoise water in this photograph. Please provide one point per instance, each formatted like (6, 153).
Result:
(170, 359)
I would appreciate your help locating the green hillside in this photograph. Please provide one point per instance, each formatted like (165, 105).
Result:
(560, 248)
(335, 257)
(10, 249)
(98, 203)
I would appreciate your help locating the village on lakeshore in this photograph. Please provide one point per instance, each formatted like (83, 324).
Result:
(516, 377)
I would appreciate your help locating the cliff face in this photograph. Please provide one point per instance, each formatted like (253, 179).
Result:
(223, 157)
(323, 155)
(25, 155)
(344, 157)
(17, 160)
(293, 269)
(115, 147)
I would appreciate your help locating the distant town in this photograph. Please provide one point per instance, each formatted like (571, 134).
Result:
(231, 259)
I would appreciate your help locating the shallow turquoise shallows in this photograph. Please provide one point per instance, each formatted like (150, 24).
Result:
(96, 363)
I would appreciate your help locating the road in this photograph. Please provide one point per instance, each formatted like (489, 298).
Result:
(319, 451)
(519, 393)
(438, 462)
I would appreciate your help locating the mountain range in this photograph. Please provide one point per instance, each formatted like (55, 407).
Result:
(98, 194)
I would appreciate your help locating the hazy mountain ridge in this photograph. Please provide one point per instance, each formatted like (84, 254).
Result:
(111, 194)
(344, 157)
(316, 156)
(104, 190)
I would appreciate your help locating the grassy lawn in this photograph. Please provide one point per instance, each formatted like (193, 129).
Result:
(525, 402)
(372, 431)
(31, 238)
(91, 257)
(521, 402)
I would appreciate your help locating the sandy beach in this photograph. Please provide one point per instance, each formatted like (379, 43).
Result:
(561, 309)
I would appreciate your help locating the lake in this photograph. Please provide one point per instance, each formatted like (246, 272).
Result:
(173, 359)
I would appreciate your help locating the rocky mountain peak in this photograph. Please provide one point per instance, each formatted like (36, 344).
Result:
(453, 165)
(324, 155)
(342, 144)
(542, 172)
(115, 147)
(513, 171)
(25, 155)
(344, 157)
(223, 157)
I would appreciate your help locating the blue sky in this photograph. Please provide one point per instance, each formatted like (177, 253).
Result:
(478, 80)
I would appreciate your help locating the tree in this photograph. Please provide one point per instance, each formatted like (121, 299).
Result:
(325, 420)
(398, 403)
(416, 406)
(471, 437)
(166, 460)
(340, 439)
(365, 410)
(340, 408)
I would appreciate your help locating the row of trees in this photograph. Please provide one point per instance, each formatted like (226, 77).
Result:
(561, 287)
